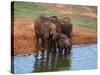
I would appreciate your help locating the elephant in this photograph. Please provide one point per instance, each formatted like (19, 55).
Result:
(66, 27)
(64, 44)
(65, 24)
(45, 30)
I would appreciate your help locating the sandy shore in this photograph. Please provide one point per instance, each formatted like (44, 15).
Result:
(24, 36)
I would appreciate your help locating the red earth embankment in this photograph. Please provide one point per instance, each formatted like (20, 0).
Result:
(24, 42)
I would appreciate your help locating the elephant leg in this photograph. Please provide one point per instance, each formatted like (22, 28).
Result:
(50, 45)
(69, 49)
(65, 51)
(60, 51)
(37, 43)
(43, 43)
(54, 46)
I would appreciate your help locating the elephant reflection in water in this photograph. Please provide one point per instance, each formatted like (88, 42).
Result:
(42, 64)
(59, 62)
(51, 61)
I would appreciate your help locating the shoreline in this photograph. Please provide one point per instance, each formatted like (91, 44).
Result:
(76, 45)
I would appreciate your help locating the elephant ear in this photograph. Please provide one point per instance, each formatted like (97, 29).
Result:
(66, 20)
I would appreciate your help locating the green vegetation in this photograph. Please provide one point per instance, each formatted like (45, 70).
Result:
(84, 21)
(32, 10)
(28, 9)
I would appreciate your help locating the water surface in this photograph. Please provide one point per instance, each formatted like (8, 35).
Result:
(82, 57)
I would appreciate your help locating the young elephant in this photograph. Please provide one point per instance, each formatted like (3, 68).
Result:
(63, 44)
(45, 30)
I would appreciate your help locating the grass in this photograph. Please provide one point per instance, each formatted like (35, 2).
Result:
(32, 10)
(23, 9)
(27, 9)
(84, 21)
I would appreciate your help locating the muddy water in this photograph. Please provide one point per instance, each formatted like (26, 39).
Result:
(82, 57)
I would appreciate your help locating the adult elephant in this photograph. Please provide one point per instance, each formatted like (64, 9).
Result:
(65, 24)
(45, 30)
(66, 27)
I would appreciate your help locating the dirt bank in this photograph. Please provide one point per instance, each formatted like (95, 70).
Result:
(24, 36)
